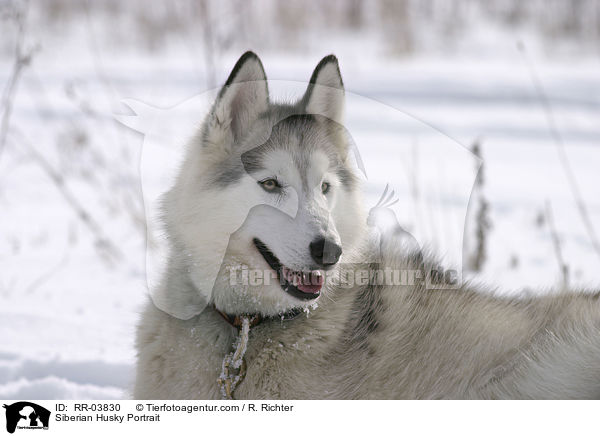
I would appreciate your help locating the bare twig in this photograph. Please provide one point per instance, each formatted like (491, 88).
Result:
(209, 43)
(111, 94)
(482, 220)
(109, 250)
(22, 59)
(564, 268)
(562, 153)
(134, 208)
(130, 199)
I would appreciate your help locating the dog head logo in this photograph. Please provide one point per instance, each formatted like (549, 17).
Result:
(26, 415)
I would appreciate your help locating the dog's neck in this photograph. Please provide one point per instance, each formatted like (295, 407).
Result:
(255, 319)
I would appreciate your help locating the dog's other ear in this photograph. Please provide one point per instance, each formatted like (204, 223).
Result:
(325, 93)
(242, 99)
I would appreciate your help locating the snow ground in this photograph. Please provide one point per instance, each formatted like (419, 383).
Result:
(67, 317)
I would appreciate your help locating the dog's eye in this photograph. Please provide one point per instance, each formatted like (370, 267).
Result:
(325, 187)
(270, 185)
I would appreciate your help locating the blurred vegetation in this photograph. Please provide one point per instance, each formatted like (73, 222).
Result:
(403, 26)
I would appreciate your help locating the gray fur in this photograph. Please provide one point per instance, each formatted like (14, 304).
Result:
(396, 342)
(369, 342)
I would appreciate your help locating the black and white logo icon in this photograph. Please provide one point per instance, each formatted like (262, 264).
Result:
(26, 415)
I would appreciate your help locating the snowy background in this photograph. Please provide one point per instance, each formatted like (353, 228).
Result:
(519, 80)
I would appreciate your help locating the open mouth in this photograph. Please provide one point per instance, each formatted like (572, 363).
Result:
(305, 285)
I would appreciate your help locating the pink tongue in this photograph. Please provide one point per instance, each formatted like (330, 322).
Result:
(309, 289)
(311, 284)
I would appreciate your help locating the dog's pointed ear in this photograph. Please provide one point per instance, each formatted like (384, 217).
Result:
(242, 99)
(325, 93)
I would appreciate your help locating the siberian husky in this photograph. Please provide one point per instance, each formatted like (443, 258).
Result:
(281, 176)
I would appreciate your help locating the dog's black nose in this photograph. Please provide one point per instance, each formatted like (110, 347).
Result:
(325, 252)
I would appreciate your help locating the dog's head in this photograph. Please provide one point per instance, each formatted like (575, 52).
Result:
(271, 183)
